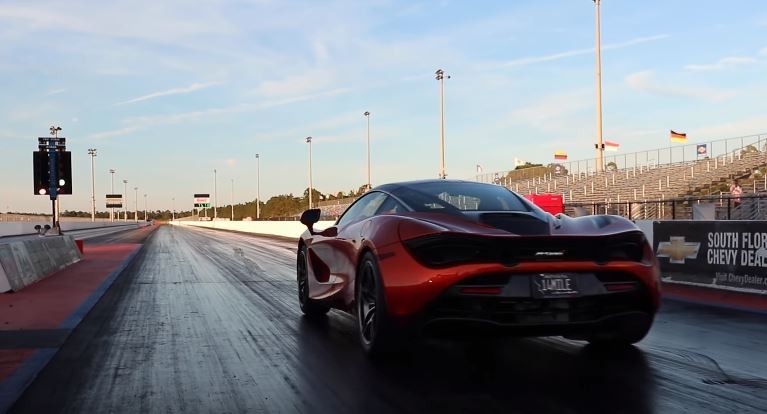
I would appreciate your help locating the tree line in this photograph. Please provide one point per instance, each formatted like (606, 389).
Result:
(279, 206)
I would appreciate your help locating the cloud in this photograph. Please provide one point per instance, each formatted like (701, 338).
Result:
(11, 135)
(641, 132)
(152, 120)
(763, 52)
(644, 81)
(176, 91)
(547, 113)
(138, 123)
(157, 24)
(742, 127)
(557, 56)
(346, 127)
(297, 84)
(56, 91)
(231, 162)
(723, 63)
(113, 133)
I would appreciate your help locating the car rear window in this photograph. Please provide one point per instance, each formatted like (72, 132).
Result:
(462, 196)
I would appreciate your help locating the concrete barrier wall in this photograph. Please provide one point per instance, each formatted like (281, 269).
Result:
(646, 227)
(24, 262)
(11, 228)
(5, 286)
(292, 229)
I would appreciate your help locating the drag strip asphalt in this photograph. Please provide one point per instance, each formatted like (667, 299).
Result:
(208, 321)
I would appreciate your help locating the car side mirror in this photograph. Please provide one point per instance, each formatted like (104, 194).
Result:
(310, 217)
(329, 232)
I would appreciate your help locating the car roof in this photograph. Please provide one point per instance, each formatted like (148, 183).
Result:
(416, 183)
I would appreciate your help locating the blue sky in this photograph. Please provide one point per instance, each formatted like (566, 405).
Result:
(167, 91)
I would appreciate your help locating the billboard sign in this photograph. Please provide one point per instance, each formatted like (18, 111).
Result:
(114, 201)
(202, 201)
(730, 254)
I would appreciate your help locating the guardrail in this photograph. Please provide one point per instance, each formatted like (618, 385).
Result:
(716, 207)
(18, 228)
(672, 155)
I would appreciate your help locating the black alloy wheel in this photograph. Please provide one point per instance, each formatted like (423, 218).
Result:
(309, 307)
(366, 306)
(377, 333)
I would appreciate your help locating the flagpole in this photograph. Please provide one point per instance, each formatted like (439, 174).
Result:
(599, 145)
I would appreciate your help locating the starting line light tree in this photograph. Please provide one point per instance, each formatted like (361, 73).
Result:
(52, 167)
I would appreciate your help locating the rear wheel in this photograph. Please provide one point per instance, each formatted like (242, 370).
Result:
(309, 307)
(376, 331)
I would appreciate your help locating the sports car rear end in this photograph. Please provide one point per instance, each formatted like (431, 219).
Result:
(575, 285)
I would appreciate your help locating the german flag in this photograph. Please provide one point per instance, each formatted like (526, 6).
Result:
(678, 137)
(560, 155)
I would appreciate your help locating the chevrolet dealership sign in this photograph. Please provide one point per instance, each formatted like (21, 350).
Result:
(716, 253)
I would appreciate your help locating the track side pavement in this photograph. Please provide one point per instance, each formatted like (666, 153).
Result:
(35, 322)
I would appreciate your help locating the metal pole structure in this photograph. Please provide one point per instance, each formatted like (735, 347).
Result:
(600, 145)
(52, 146)
(92, 153)
(145, 211)
(258, 187)
(55, 179)
(309, 141)
(125, 202)
(135, 205)
(173, 200)
(441, 78)
(232, 199)
(367, 115)
(215, 195)
(112, 191)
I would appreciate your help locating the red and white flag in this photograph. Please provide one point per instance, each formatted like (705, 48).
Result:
(611, 146)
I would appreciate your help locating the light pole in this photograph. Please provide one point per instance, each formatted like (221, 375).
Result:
(367, 115)
(125, 206)
(92, 153)
(441, 78)
(309, 141)
(600, 146)
(215, 195)
(135, 205)
(112, 191)
(173, 200)
(232, 199)
(258, 187)
(145, 208)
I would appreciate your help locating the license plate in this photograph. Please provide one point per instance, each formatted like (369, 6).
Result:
(554, 285)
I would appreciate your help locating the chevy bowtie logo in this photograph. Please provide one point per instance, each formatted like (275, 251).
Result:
(677, 250)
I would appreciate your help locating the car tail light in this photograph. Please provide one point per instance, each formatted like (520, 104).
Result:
(411, 229)
(648, 256)
(624, 247)
(449, 250)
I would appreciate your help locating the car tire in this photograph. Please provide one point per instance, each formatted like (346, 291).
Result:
(623, 333)
(309, 307)
(377, 334)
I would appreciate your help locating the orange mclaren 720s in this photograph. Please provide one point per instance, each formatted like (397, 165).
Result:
(446, 257)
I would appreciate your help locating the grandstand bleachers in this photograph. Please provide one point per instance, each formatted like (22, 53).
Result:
(638, 189)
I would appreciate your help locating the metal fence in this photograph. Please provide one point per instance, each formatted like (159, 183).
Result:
(718, 207)
(671, 155)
